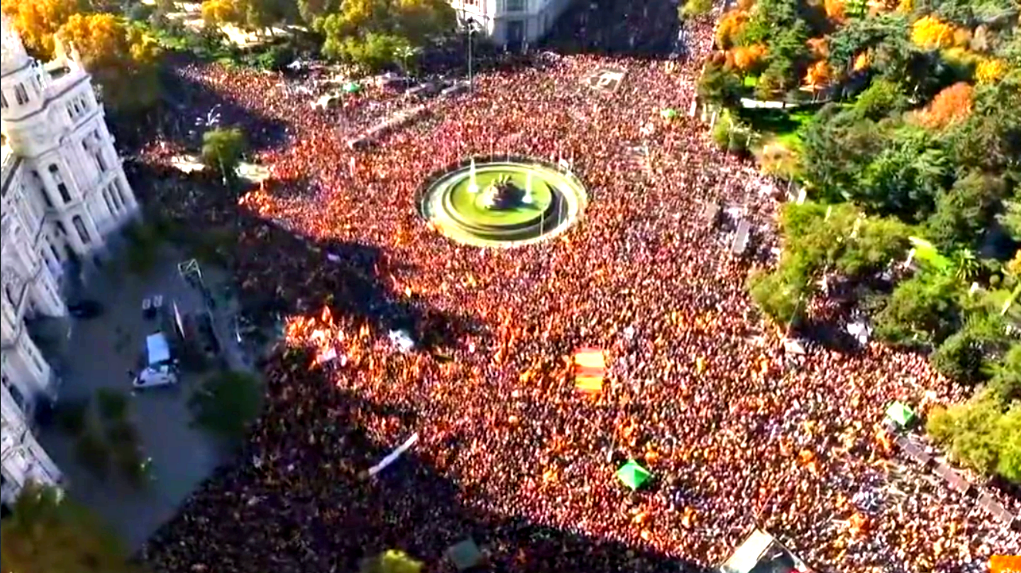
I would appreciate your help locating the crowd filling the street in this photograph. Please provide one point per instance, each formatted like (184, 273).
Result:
(700, 389)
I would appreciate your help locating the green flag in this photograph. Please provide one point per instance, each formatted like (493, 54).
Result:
(633, 475)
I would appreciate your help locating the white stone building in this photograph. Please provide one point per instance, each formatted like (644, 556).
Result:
(511, 21)
(63, 192)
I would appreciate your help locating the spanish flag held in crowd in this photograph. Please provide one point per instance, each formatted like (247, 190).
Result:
(589, 370)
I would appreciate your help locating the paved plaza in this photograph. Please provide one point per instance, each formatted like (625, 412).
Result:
(99, 354)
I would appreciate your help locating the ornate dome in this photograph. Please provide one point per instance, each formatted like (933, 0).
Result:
(12, 50)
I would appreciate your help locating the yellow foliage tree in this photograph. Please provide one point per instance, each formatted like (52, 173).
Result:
(989, 70)
(121, 60)
(731, 25)
(931, 32)
(747, 58)
(37, 20)
(219, 12)
(836, 10)
(905, 6)
(818, 75)
(951, 105)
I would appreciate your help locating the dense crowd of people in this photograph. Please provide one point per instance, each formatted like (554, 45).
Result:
(700, 390)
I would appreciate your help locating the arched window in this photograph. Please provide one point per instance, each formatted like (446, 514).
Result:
(59, 180)
(79, 226)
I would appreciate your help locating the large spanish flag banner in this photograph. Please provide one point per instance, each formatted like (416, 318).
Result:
(1005, 564)
(589, 370)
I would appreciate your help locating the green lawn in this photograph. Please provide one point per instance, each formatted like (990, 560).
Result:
(785, 126)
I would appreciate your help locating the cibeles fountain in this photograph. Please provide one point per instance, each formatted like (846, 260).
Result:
(502, 201)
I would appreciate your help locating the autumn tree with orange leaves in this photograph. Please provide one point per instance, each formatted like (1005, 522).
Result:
(749, 58)
(951, 105)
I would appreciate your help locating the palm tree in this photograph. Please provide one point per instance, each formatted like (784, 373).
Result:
(966, 266)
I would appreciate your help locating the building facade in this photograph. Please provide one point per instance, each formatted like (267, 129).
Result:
(511, 22)
(63, 192)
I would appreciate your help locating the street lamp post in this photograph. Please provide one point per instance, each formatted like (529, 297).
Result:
(470, 26)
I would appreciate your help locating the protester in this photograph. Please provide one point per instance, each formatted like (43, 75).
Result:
(700, 390)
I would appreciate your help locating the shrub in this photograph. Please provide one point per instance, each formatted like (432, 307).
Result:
(122, 434)
(113, 404)
(71, 416)
(93, 453)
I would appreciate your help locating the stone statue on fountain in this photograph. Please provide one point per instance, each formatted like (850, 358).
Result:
(501, 194)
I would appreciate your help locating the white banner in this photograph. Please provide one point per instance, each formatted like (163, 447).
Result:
(392, 456)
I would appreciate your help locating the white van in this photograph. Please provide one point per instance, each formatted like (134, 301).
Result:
(161, 368)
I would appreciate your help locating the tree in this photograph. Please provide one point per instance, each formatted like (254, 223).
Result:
(990, 70)
(819, 75)
(37, 22)
(780, 295)
(227, 403)
(121, 59)
(719, 85)
(48, 533)
(971, 354)
(730, 27)
(1005, 375)
(951, 105)
(375, 33)
(312, 10)
(1011, 218)
(965, 211)
(988, 139)
(391, 561)
(695, 8)
(748, 58)
(883, 97)
(930, 32)
(982, 433)
(907, 172)
(373, 52)
(222, 149)
(921, 310)
(255, 15)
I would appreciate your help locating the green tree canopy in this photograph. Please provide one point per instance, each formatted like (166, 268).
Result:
(921, 310)
(983, 433)
(376, 33)
(227, 403)
(964, 212)
(48, 533)
(222, 150)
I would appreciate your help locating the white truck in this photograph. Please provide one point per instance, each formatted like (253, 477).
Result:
(160, 368)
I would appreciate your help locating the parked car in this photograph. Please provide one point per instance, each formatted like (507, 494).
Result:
(85, 309)
(154, 376)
